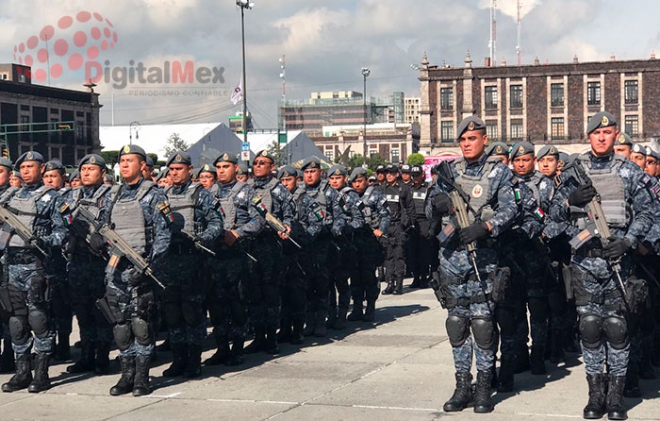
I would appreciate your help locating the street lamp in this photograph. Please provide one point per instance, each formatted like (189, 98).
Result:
(130, 132)
(244, 4)
(365, 72)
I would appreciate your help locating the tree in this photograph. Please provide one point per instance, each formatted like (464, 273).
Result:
(375, 160)
(277, 153)
(175, 143)
(110, 157)
(416, 159)
(356, 161)
(153, 156)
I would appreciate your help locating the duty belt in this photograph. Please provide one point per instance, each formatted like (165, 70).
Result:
(474, 299)
(589, 252)
(21, 256)
(600, 299)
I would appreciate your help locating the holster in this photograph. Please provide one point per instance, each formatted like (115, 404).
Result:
(104, 307)
(434, 283)
(5, 301)
(637, 292)
(501, 278)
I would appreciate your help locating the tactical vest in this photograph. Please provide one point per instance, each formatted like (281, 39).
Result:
(477, 188)
(265, 193)
(419, 199)
(25, 210)
(128, 219)
(184, 204)
(534, 185)
(611, 190)
(319, 196)
(63, 191)
(93, 204)
(393, 201)
(343, 200)
(214, 189)
(228, 206)
(371, 216)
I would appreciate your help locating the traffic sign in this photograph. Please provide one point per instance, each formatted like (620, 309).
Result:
(245, 155)
(245, 146)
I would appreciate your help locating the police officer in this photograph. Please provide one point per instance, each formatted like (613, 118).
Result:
(380, 174)
(492, 209)
(364, 285)
(334, 221)
(195, 221)
(55, 177)
(243, 173)
(500, 150)
(148, 171)
(406, 176)
(208, 178)
(263, 284)
(307, 225)
(422, 246)
(136, 208)
(622, 188)
(343, 253)
(86, 269)
(74, 179)
(7, 358)
(402, 211)
(226, 300)
(38, 207)
(623, 145)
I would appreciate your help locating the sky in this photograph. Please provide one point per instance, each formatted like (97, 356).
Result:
(325, 44)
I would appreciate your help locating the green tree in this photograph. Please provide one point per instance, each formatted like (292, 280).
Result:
(110, 157)
(175, 143)
(153, 156)
(416, 159)
(375, 160)
(356, 161)
(277, 153)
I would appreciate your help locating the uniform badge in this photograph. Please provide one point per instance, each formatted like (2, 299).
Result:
(178, 158)
(206, 167)
(264, 153)
(127, 149)
(92, 160)
(499, 150)
(470, 125)
(477, 191)
(552, 150)
(521, 149)
(49, 167)
(622, 139)
(337, 171)
(225, 157)
(30, 155)
(605, 121)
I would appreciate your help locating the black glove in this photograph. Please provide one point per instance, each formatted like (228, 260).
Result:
(473, 233)
(96, 243)
(582, 195)
(442, 204)
(616, 248)
(134, 277)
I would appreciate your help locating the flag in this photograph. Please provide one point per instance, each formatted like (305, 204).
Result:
(237, 95)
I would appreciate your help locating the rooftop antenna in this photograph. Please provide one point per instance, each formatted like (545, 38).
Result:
(519, 24)
(492, 45)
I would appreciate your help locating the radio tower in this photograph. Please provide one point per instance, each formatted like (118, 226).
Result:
(519, 20)
(493, 33)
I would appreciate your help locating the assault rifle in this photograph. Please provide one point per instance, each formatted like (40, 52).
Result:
(21, 230)
(597, 227)
(199, 246)
(118, 246)
(271, 219)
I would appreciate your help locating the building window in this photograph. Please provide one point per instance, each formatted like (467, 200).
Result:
(516, 94)
(593, 93)
(446, 99)
(557, 128)
(330, 155)
(516, 129)
(491, 130)
(491, 97)
(632, 125)
(557, 94)
(395, 156)
(447, 131)
(631, 91)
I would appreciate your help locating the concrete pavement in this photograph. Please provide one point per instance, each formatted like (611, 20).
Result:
(398, 368)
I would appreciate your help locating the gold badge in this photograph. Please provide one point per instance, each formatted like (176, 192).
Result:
(92, 160)
(477, 191)
(622, 139)
(498, 150)
(264, 153)
(225, 157)
(552, 150)
(178, 158)
(206, 167)
(127, 149)
(605, 121)
(49, 167)
(30, 155)
(337, 171)
(521, 149)
(470, 125)
(286, 174)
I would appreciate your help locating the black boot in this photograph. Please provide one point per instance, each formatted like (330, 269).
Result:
(125, 383)
(7, 364)
(340, 324)
(423, 282)
(370, 312)
(179, 361)
(23, 376)
(297, 337)
(236, 354)
(631, 389)
(284, 335)
(398, 290)
(41, 380)
(221, 355)
(194, 364)
(522, 359)
(556, 347)
(165, 346)
(595, 408)
(615, 408)
(389, 289)
(86, 361)
(332, 318)
(62, 349)
(536, 361)
(259, 342)
(356, 313)
(102, 362)
(462, 396)
(271, 341)
(505, 380)
(415, 282)
(141, 384)
(310, 323)
(483, 403)
(319, 329)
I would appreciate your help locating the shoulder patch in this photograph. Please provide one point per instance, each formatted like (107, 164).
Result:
(495, 172)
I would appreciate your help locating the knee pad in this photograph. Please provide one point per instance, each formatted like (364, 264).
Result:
(122, 335)
(38, 322)
(141, 331)
(616, 332)
(172, 314)
(19, 330)
(591, 330)
(192, 313)
(457, 330)
(484, 332)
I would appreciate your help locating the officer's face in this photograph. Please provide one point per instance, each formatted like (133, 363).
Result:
(76, 182)
(15, 181)
(419, 179)
(4, 176)
(31, 172)
(206, 179)
(242, 177)
(405, 177)
(623, 150)
(359, 184)
(548, 165)
(523, 165)
(179, 173)
(650, 168)
(226, 171)
(337, 181)
(472, 144)
(380, 176)
(602, 140)
(91, 175)
(391, 177)
(638, 159)
(290, 182)
(311, 176)
(130, 167)
(262, 166)
(148, 172)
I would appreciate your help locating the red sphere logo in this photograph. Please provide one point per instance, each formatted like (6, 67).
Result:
(75, 41)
